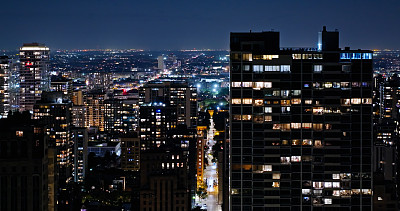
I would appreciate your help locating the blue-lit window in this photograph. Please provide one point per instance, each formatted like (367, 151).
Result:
(367, 55)
(344, 56)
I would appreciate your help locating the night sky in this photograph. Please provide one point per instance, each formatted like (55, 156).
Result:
(188, 24)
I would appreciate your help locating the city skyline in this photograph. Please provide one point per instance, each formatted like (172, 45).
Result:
(189, 25)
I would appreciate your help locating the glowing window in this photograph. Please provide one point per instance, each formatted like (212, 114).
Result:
(258, 85)
(317, 68)
(236, 101)
(318, 110)
(268, 84)
(296, 142)
(327, 201)
(356, 101)
(268, 109)
(336, 193)
(272, 68)
(309, 102)
(268, 118)
(328, 184)
(258, 102)
(19, 133)
(296, 101)
(335, 176)
(307, 142)
(367, 101)
(295, 158)
(247, 101)
(247, 84)
(246, 117)
(258, 68)
(285, 68)
(306, 125)
(318, 143)
(276, 176)
(267, 167)
(275, 184)
(345, 102)
(318, 185)
(295, 125)
(236, 84)
(285, 160)
(247, 57)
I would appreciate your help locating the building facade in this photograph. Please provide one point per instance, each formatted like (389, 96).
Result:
(300, 125)
(34, 76)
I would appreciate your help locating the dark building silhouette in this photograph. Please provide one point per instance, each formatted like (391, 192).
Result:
(300, 125)
(386, 138)
(23, 164)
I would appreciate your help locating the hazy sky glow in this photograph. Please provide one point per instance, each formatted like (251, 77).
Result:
(187, 24)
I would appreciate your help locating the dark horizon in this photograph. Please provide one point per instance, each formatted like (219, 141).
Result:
(160, 25)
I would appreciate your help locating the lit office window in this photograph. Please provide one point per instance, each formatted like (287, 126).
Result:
(317, 68)
(285, 68)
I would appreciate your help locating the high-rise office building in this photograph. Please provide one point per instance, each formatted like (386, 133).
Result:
(34, 77)
(300, 125)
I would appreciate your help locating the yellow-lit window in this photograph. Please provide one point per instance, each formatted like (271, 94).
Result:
(306, 125)
(345, 102)
(258, 102)
(247, 57)
(246, 117)
(247, 101)
(236, 101)
(285, 126)
(285, 142)
(258, 85)
(275, 184)
(367, 101)
(268, 118)
(236, 84)
(267, 167)
(296, 142)
(276, 126)
(296, 56)
(309, 102)
(247, 84)
(318, 143)
(318, 110)
(318, 126)
(19, 133)
(296, 101)
(356, 101)
(285, 102)
(295, 125)
(307, 142)
(276, 176)
(237, 117)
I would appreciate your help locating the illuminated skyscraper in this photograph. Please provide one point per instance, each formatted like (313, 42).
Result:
(4, 86)
(301, 125)
(34, 78)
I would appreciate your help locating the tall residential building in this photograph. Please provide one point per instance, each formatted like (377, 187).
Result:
(160, 63)
(4, 86)
(163, 184)
(23, 165)
(386, 136)
(61, 84)
(94, 104)
(300, 125)
(34, 77)
(130, 152)
(176, 94)
(54, 111)
(79, 138)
